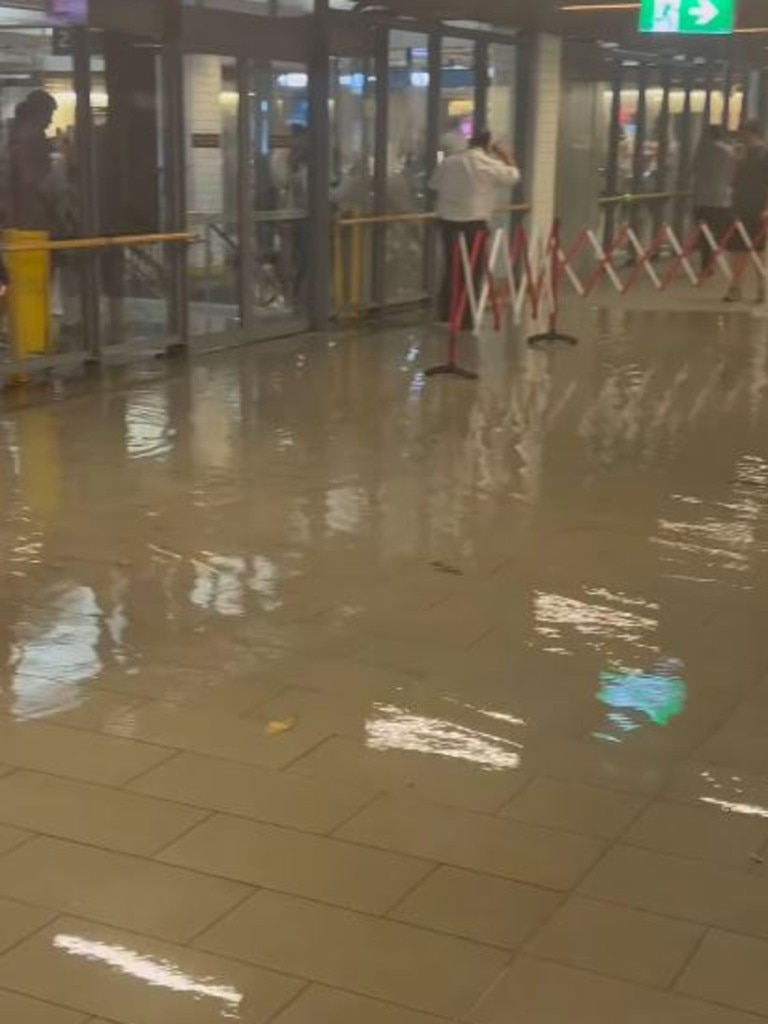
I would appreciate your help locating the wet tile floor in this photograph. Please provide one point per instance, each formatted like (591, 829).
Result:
(333, 696)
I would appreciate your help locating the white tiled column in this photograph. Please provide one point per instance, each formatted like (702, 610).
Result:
(205, 179)
(542, 151)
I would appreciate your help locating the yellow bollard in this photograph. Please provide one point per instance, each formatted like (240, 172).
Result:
(338, 269)
(356, 272)
(29, 295)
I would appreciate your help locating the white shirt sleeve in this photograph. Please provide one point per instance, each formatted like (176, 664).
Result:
(504, 175)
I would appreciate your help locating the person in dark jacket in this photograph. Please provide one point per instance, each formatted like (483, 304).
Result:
(714, 166)
(31, 163)
(750, 205)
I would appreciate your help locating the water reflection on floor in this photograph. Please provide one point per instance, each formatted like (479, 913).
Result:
(504, 640)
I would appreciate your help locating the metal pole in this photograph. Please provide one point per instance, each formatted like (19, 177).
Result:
(686, 150)
(614, 142)
(319, 261)
(87, 192)
(481, 84)
(662, 153)
(433, 141)
(380, 176)
(246, 193)
(172, 78)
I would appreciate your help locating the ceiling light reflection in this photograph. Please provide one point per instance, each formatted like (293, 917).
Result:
(157, 973)
(731, 807)
(395, 728)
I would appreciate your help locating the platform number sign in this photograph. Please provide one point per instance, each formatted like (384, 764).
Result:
(688, 17)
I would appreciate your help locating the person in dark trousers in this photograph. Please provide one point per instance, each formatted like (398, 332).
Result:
(467, 186)
(750, 205)
(714, 166)
(31, 163)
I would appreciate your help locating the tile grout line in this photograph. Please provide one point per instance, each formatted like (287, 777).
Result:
(706, 930)
(172, 755)
(387, 914)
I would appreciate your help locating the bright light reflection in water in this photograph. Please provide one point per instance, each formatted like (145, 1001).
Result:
(157, 973)
(398, 729)
(596, 624)
(55, 650)
(730, 807)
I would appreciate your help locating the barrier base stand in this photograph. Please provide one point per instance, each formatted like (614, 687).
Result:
(552, 337)
(450, 370)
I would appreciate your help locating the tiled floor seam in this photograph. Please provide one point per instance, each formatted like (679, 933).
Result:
(466, 1016)
(55, 915)
(87, 1016)
(155, 854)
(191, 939)
(290, 765)
(293, 1000)
(410, 891)
(352, 815)
(747, 870)
(706, 930)
(644, 985)
(172, 753)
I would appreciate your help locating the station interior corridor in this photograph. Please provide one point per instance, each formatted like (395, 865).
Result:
(335, 695)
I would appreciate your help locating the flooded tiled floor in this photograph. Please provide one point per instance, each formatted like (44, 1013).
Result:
(333, 695)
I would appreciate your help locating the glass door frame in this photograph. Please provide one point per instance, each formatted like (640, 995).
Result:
(231, 34)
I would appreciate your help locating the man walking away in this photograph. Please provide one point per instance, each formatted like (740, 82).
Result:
(714, 166)
(467, 186)
(750, 203)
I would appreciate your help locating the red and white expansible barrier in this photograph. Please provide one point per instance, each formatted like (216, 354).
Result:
(525, 271)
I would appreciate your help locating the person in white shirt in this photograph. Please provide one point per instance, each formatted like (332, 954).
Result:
(467, 186)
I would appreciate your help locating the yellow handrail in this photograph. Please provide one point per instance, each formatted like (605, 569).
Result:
(640, 197)
(106, 242)
(348, 251)
(410, 218)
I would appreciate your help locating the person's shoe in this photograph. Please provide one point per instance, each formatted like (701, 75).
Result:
(733, 294)
(760, 300)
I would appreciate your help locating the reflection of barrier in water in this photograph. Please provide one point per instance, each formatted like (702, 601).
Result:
(659, 695)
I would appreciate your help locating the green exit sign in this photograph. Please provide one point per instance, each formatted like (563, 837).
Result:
(688, 17)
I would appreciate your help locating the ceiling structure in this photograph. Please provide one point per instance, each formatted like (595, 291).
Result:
(593, 20)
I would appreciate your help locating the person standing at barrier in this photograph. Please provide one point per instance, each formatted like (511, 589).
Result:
(750, 203)
(31, 163)
(467, 185)
(714, 166)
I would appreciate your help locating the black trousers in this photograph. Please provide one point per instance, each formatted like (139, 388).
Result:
(718, 219)
(452, 231)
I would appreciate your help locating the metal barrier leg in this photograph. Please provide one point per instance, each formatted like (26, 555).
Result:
(459, 301)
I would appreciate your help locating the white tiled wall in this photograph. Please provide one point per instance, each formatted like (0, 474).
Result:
(546, 95)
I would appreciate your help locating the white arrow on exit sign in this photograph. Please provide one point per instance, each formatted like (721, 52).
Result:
(706, 12)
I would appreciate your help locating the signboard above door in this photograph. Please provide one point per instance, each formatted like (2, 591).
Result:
(688, 17)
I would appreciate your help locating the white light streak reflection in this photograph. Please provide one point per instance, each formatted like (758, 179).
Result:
(157, 973)
(731, 807)
(398, 729)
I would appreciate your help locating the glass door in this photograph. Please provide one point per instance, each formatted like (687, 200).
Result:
(212, 141)
(280, 168)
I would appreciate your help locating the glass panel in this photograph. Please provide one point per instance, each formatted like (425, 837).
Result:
(39, 189)
(281, 149)
(407, 190)
(457, 94)
(128, 163)
(501, 93)
(501, 103)
(211, 111)
(353, 124)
